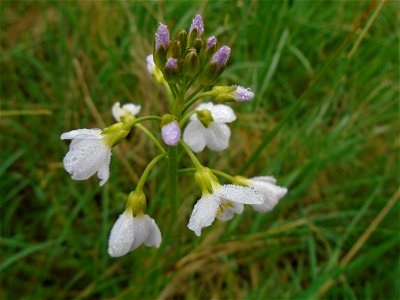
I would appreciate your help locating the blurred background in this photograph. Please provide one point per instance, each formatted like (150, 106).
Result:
(324, 122)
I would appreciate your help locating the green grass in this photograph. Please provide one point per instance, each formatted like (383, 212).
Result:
(325, 123)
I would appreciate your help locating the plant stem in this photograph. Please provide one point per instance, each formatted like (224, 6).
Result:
(138, 120)
(173, 175)
(193, 101)
(193, 157)
(151, 164)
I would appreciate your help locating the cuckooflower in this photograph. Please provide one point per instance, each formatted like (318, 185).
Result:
(88, 154)
(208, 128)
(128, 108)
(222, 204)
(271, 192)
(129, 232)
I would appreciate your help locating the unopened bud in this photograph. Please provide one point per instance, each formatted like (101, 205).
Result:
(221, 57)
(161, 45)
(170, 131)
(191, 63)
(175, 49)
(171, 69)
(196, 29)
(182, 37)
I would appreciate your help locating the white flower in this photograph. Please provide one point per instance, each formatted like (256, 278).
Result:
(150, 63)
(87, 155)
(216, 135)
(223, 203)
(129, 232)
(128, 108)
(271, 192)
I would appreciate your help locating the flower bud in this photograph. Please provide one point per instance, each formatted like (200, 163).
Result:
(196, 29)
(182, 37)
(153, 70)
(191, 63)
(216, 66)
(161, 45)
(170, 131)
(242, 94)
(221, 57)
(198, 45)
(175, 49)
(171, 69)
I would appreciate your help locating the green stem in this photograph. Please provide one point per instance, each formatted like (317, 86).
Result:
(224, 175)
(151, 136)
(194, 93)
(193, 157)
(173, 175)
(139, 120)
(146, 171)
(193, 101)
(186, 117)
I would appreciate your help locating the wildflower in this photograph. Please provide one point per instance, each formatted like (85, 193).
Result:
(222, 203)
(128, 108)
(88, 153)
(129, 232)
(271, 192)
(207, 127)
(171, 133)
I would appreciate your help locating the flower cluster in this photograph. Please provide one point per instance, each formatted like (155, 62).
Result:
(187, 66)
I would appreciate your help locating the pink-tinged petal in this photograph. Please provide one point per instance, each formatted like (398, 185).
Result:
(223, 113)
(240, 194)
(194, 136)
(217, 136)
(204, 213)
(121, 236)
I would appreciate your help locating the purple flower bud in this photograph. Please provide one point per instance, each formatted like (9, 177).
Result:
(212, 40)
(171, 133)
(162, 36)
(221, 57)
(242, 94)
(198, 24)
(172, 63)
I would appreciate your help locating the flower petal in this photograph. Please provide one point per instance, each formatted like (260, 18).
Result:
(132, 108)
(204, 213)
(141, 230)
(154, 239)
(194, 136)
(271, 195)
(217, 136)
(240, 194)
(269, 179)
(223, 113)
(229, 212)
(104, 172)
(121, 236)
(87, 134)
(84, 159)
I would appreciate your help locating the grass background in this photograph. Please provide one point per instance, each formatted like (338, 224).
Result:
(326, 76)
